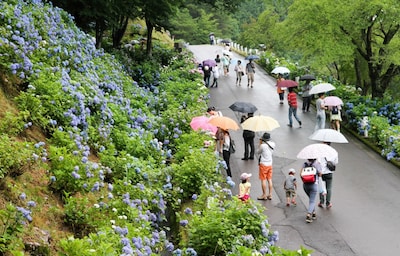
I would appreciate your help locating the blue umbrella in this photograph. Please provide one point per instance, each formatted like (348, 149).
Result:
(252, 57)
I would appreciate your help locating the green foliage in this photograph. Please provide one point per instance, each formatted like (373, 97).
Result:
(10, 228)
(15, 156)
(101, 243)
(13, 124)
(224, 223)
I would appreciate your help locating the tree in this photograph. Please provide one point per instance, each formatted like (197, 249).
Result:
(348, 34)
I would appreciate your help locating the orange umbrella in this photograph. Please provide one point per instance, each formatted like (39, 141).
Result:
(224, 122)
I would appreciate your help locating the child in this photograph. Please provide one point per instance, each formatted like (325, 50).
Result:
(244, 187)
(290, 187)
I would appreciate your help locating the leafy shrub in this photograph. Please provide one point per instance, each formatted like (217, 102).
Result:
(11, 222)
(15, 157)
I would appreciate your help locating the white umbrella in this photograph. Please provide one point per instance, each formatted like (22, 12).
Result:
(260, 124)
(328, 135)
(320, 88)
(318, 150)
(280, 70)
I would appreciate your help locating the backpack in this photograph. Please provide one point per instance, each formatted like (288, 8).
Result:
(335, 110)
(308, 174)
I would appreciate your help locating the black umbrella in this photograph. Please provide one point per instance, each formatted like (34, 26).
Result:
(244, 107)
(225, 41)
(307, 77)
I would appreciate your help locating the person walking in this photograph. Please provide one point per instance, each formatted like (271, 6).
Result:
(311, 188)
(225, 144)
(292, 102)
(248, 137)
(219, 64)
(327, 177)
(336, 117)
(215, 71)
(306, 96)
(279, 90)
(225, 64)
(290, 186)
(321, 117)
(207, 75)
(250, 71)
(239, 72)
(265, 151)
(244, 186)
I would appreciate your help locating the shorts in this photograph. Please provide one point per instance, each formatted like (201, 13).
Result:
(245, 197)
(265, 172)
(290, 193)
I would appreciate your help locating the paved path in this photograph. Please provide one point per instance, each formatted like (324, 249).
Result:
(365, 217)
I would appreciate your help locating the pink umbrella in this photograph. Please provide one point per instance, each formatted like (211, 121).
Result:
(287, 83)
(332, 101)
(201, 123)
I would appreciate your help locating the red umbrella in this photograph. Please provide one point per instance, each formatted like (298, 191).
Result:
(288, 83)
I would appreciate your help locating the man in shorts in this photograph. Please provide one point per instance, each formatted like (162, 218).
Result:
(265, 150)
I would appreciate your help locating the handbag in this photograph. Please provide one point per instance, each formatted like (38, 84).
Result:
(330, 165)
(232, 146)
(241, 73)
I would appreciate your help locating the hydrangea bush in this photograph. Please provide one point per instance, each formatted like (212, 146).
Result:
(119, 152)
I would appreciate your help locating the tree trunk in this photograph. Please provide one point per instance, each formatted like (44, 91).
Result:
(149, 44)
(119, 31)
(99, 33)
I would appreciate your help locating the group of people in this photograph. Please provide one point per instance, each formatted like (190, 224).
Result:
(222, 67)
(321, 107)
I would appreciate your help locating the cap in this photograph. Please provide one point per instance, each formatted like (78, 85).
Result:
(245, 175)
(266, 137)
(292, 171)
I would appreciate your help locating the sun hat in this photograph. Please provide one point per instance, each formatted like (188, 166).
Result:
(292, 171)
(245, 175)
(266, 137)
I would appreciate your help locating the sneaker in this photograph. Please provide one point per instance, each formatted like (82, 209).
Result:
(328, 206)
(314, 216)
(245, 159)
(290, 125)
(320, 205)
(309, 218)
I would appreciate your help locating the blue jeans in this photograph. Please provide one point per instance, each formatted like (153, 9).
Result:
(293, 111)
(312, 192)
(320, 123)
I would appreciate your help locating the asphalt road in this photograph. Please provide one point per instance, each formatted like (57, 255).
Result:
(365, 217)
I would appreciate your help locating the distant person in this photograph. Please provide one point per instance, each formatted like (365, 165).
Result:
(219, 64)
(290, 186)
(279, 90)
(250, 71)
(321, 116)
(225, 64)
(244, 186)
(248, 137)
(311, 189)
(306, 96)
(215, 71)
(265, 151)
(292, 102)
(336, 117)
(207, 74)
(239, 72)
(212, 39)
